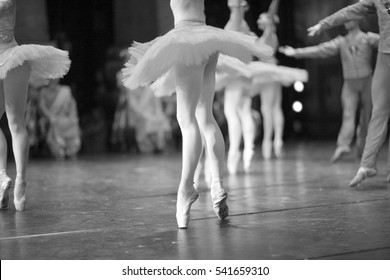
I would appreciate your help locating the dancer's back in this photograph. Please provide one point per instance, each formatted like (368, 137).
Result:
(188, 10)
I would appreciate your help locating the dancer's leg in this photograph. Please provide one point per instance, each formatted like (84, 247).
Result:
(278, 121)
(267, 99)
(377, 128)
(248, 129)
(231, 108)
(5, 181)
(189, 80)
(3, 141)
(365, 115)
(15, 92)
(215, 143)
(349, 102)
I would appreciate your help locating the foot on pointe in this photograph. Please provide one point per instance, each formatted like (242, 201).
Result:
(5, 186)
(340, 152)
(20, 195)
(233, 161)
(278, 149)
(183, 207)
(362, 174)
(266, 149)
(247, 159)
(219, 197)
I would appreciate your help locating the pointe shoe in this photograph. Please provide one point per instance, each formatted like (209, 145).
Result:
(219, 197)
(233, 161)
(278, 149)
(5, 187)
(247, 159)
(340, 152)
(266, 149)
(20, 204)
(363, 173)
(183, 211)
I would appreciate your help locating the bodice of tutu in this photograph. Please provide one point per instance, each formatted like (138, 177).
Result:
(7, 20)
(188, 10)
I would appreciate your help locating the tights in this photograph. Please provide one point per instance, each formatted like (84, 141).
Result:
(13, 98)
(195, 93)
(273, 119)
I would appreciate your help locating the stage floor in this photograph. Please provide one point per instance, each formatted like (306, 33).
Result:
(123, 207)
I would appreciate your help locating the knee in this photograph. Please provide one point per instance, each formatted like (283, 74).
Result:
(204, 119)
(16, 125)
(266, 111)
(185, 119)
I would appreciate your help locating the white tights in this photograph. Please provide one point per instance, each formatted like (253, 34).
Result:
(13, 98)
(195, 89)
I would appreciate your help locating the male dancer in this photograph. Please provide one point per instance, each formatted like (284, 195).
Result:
(355, 50)
(377, 128)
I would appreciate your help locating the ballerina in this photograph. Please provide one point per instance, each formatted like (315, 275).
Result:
(238, 102)
(271, 94)
(241, 82)
(377, 128)
(17, 65)
(189, 53)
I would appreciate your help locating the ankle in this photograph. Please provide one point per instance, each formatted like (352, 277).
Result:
(216, 182)
(186, 189)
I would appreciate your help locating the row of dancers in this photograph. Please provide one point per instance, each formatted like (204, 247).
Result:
(187, 58)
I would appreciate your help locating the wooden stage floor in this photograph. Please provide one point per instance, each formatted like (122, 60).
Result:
(123, 207)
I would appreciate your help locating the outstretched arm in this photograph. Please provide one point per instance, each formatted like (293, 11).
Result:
(353, 12)
(323, 50)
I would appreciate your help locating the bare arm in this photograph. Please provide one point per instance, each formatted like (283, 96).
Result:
(323, 50)
(357, 11)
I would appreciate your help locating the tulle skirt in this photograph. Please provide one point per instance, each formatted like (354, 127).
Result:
(254, 75)
(189, 43)
(46, 62)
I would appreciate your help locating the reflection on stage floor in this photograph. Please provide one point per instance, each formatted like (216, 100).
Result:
(123, 207)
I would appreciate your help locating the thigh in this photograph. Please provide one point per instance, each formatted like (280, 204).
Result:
(349, 97)
(268, 96)
(381, 83)
(232, 98)
(208, 85)
(15, 90)
(2, 100)
(189, 81)
(366, 92)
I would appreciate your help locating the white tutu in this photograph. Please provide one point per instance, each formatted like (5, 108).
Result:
(231, 70)
(265, 73)
(255, 74)
(189, 43)
(45, 62)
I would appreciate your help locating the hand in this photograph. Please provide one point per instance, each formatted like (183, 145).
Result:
(314, 30)
(288, 51)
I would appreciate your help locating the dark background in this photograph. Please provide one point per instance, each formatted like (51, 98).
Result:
(94, 31)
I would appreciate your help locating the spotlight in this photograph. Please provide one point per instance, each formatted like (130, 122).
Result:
(299, 86)
(297, 107)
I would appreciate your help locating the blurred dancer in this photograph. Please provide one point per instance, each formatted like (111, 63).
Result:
(355, 50)
(189, 52)
(271, 94)
(59, 109)
(238, 102)
(377, 128)
(18, 63)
